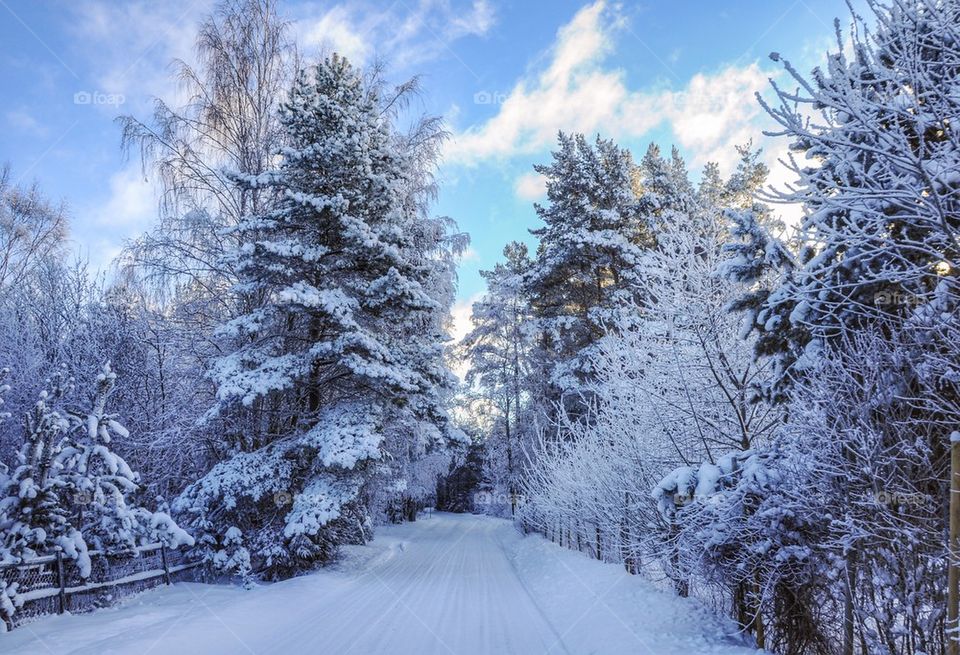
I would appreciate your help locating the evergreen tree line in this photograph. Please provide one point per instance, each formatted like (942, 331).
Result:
(276, 343)
(759, 415)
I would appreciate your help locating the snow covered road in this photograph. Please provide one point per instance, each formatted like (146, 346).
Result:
(445, 584)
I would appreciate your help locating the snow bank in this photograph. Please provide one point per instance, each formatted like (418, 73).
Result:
(600, 608)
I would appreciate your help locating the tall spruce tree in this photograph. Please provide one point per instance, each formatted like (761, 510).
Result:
(342, 365)
(585, 271)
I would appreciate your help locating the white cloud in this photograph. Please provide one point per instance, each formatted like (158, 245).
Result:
(461, 313)
(338, 30)
(129, 209)
(530, 186)
(24, 120)
(461, 326)
(469, 255)
(132, 205)
(780, 179)
(475, 22)
(572, 93)
(404, 34)
(462, 323)
(99, 254)
(577, 92)
(716, 112)
(130, 46)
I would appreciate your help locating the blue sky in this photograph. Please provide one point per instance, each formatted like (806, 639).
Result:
(506, 74)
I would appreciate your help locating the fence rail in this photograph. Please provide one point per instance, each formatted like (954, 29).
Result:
(51, 584)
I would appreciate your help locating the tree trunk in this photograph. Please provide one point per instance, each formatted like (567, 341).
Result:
(758, 628)
(625, 536)
(850, 583)
(681, 584)
(953, 548)
(513, 501)
(516, 418)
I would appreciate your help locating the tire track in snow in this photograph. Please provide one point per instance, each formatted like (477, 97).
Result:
(533, 601)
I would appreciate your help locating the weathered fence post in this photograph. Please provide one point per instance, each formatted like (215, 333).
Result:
(163, 559)
(61, 582)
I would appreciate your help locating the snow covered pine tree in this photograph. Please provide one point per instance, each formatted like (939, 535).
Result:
(584, 274)
(34, 511)
(97, 483)
(340, 370)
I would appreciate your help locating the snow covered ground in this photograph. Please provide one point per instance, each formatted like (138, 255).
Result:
(445, 584)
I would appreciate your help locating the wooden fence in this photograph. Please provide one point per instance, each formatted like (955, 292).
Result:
(52, 584)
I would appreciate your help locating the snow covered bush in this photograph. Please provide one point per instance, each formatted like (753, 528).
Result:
(833, 535)
(100, 483)
(35, 510)
(867, 447)
(232, 558)
(735, 525)
(70, 491)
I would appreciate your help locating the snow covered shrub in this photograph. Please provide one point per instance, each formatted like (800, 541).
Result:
(834, 535)
(868, 449)
(34, 506)
(232, 557)
(70, 490)
(732, 525)
(10, 601)
(100, 485)
(35, 510)
(588, 492)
